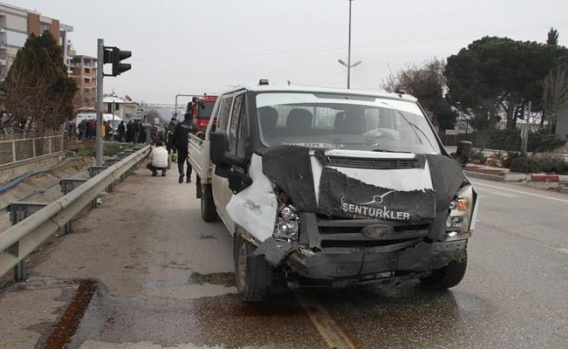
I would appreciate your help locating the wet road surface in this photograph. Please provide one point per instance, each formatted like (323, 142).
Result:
(163, 279)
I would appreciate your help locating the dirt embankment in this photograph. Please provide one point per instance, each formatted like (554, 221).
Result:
(45, 185)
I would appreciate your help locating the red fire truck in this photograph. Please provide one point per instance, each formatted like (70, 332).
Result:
(201, 109)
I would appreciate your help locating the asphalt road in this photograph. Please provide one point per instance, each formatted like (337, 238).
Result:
(163, 279)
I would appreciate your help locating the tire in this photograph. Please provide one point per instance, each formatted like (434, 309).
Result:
(253, 274)
(447, 277)
(208, 211)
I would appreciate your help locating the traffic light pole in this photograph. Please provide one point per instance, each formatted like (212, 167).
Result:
(100, 67)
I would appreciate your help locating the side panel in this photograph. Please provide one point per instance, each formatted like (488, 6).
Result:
(222, 195)
(255, 208)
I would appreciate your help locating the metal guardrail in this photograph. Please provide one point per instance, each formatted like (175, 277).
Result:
(24, 237)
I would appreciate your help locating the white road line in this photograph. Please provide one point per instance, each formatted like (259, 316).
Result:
(562, 250)
(519, 192)
(333, 334)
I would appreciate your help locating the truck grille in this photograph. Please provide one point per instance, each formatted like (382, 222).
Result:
(348, 233)
(381, 164)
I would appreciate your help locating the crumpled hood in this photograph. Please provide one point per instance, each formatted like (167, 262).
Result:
(364, 185)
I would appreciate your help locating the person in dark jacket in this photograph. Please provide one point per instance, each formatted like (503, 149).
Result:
(180, 139)
(121, 131)
(130, 132)
(170, 133)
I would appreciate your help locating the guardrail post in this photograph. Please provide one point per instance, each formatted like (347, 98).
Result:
(110, 162)
(18, 212)
(67, 185)
(122, 156)
(93, 171)
(129, 152)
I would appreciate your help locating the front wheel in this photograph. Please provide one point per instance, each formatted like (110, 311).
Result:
(253, 273)
(208, 211)
(448, 276)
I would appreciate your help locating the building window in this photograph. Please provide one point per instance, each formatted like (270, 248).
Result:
(87, 70)
(87, 80)
(43, 27)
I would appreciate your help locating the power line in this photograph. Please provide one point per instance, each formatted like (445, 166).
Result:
(321, 49)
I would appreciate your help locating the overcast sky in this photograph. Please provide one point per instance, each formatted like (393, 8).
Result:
(186, 47)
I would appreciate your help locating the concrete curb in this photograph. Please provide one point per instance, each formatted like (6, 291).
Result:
(519, 177)
(545, 178)
(480, 175)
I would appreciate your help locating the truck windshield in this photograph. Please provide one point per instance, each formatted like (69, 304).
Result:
(205, 109)
(343, 121)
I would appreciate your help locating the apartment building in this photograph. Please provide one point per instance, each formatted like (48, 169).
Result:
(17, 24)
(84, 70)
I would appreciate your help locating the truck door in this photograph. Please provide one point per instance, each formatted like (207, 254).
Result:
(232, 121)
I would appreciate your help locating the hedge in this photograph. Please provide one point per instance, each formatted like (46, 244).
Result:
(510, 140)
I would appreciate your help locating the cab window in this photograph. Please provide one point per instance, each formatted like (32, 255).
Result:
(238, 128)
(224, 113)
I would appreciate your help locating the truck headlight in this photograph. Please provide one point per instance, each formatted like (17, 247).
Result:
(460, 214)
(287, 223)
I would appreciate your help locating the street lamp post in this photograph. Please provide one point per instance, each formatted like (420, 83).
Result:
(348, 64)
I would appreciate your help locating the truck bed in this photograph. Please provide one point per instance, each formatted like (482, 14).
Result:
(198, 155)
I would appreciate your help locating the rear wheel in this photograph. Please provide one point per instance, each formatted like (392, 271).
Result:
(449, 276)
(253, 274)
(208, 212)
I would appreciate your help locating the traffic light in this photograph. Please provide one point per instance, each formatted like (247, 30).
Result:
(520, 111)
(117, 56)
(114, 55)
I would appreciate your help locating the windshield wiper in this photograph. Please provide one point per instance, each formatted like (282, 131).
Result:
(391, 151)
(413, 126)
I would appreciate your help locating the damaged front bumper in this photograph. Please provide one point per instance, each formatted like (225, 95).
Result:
(363, 264)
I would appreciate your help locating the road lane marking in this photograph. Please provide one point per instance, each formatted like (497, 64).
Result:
(562, 250)
(519, 192)
(333, 334)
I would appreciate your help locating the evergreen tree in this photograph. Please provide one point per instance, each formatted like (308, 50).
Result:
(37, 90)
(552, 37)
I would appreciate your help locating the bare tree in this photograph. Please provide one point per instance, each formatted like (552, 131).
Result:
(427, 83)
(25, 99)
(555, 95)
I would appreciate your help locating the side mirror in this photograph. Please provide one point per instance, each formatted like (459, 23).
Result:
(219, 145)
(463, 153)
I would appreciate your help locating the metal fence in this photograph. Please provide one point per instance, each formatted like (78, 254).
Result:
(16, 150)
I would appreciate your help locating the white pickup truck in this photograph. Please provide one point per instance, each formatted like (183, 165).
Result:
(332, 187)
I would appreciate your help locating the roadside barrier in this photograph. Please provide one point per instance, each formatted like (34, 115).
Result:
(36, 225)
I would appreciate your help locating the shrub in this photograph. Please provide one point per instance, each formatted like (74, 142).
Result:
(524, 164)
(552, 164)
(510, 140)
(543, 141)
(498, 139)
(509, 158)
(478, 158)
